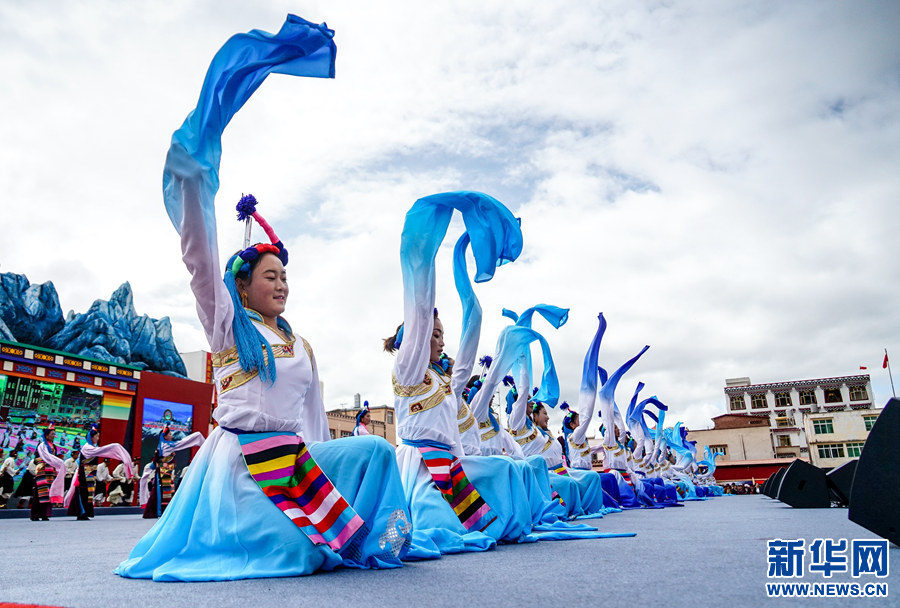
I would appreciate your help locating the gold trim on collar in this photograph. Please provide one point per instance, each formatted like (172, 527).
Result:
(225, 357)
(230, 356)
(238, 378)
(412, 390)
(521, 431)
(488, 434)
(427, 403)
(309, 353)
(529, 439)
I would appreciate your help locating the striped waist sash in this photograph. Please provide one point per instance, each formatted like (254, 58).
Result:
(42, 485)
(623, 473)
(288, 475)
(558, 469)
(447, 471)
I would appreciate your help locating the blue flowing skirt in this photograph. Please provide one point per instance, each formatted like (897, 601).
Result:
(221, 526)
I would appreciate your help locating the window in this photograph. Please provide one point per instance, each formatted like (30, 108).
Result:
(823, 426)
(831, 450)
(833, 395)
(738, 403)
(808, 397)
(390, 417)
(346, 433)
(331, 433)
(784, 441)
(854, 448)
(782, 400)
(870, 421)
(719, 449)
(858, 393)
(758, 402)
(783, 422)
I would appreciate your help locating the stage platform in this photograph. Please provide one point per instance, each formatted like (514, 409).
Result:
(709, 553)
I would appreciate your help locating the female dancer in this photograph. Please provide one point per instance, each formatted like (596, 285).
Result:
(457, 504)
(80, 497)
(253, 474)
(48, 465)
(258, 501)
(363, 418)
(161, 478)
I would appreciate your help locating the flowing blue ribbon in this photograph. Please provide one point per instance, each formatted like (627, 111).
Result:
(300, 48)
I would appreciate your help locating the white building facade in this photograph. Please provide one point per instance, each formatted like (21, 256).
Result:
(786, 405)
(837, 437)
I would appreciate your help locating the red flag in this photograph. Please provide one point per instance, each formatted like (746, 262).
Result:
(885, 364)
(863, 367)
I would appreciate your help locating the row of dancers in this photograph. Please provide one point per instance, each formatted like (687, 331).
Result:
(269, 494)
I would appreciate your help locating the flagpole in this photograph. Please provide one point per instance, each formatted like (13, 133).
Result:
(888, 362)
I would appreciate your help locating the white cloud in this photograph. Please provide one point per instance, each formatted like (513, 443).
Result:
(719, 180)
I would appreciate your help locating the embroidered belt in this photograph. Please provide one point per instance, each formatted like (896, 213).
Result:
(467, 424)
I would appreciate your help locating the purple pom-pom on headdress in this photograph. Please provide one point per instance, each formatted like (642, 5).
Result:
(485, 361)
(534, 391)
(508, 381)
(564, 406)
(246, 207)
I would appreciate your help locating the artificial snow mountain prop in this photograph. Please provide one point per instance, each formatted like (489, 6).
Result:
(110, 330)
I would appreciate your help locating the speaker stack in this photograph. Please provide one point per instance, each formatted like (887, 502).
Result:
(870, 486)
(875, 492)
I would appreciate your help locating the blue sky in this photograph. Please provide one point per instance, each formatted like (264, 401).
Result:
(720, 179)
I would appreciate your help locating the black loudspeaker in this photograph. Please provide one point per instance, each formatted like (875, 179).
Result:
(804, 486)
(767, 485)
(775, 481)
(875, 494)
(840, 480)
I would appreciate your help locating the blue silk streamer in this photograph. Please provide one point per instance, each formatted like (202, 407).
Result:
(554, 315)
(607, 398)
(300, 48)
(512, 342)
(589, 371)
(630, 414)
(604, 375)
(709, 461)
(495, 238)
(471, 320)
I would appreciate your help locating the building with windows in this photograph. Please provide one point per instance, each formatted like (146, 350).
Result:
(837, 437)
(745, 445)
(784, 405)
(342, 422)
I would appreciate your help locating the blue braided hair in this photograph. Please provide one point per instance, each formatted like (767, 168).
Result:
(362, 412)
(254, 351)
(567, 418)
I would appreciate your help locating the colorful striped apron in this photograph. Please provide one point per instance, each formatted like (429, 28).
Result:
(447, 471)
(288, 475)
